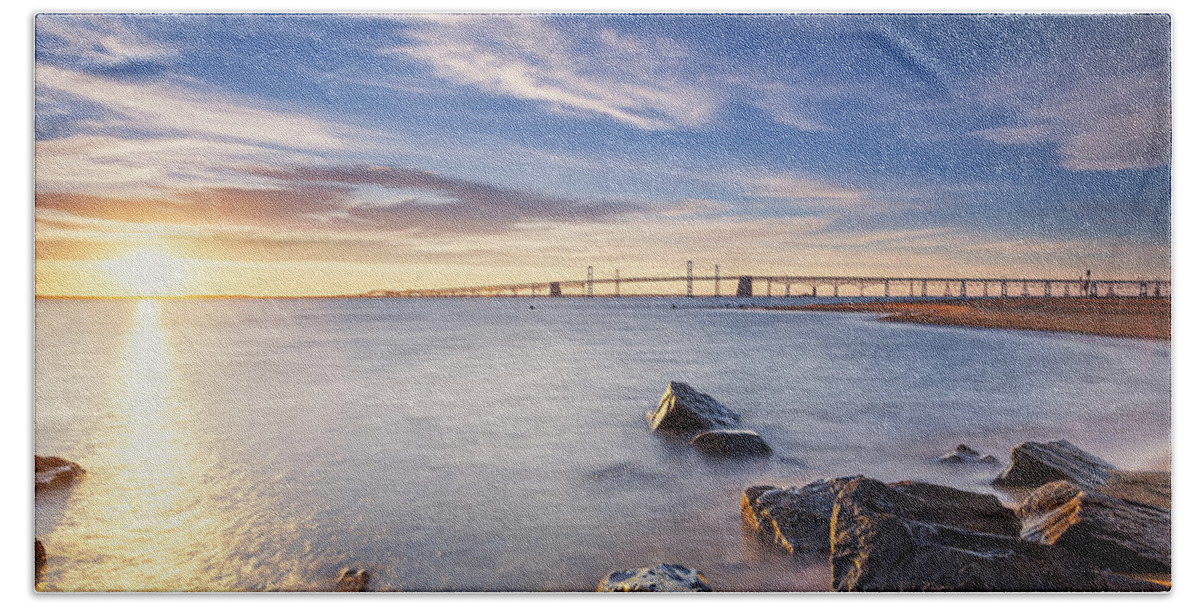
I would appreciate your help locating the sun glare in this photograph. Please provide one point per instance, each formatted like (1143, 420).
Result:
(148, 271)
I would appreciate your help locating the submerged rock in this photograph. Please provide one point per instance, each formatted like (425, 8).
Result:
(683, 409)
(964, 454)
(53, 472)
(884, 541)
(353, 580)
(1107, 532)
(795, 519)
(663, 577)
(731, 442)
(1034, 464)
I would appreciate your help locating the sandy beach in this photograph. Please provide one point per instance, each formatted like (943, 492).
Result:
(1120, 317)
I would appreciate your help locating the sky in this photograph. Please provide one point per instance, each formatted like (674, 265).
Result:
(310, 155)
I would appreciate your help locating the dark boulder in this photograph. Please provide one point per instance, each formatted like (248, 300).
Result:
(683, 409)
(39, 561)
(353, 580)
(731, 442)
(1034, 464)
(884, 541)
(963, 454)
(1111, 581)
(799, 519)
(663, 577)
(795, 519)
(1107, 532)
(54, 472)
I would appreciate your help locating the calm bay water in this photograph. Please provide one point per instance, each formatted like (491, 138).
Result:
(482, 445)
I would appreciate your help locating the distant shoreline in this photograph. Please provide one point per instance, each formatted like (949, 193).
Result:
(1147, 318)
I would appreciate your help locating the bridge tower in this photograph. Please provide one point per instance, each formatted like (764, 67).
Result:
(745, 287)
(617, 284)
(689, 279)
(589, 282)
(717, 281)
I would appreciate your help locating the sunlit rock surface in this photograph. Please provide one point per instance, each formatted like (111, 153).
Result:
(731, 442)
(1034, 464)
(1110, 533)
(663, 577)
(795, 519)
(39, 561)
(886, 538)
(53, 472)
(683, 409)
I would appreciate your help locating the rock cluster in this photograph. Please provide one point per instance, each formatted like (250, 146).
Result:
(54, 472)
(684, 410)
(1076, 532)
(39, 561)
(663, 577)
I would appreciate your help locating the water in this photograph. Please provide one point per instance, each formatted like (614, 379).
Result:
(484, 445)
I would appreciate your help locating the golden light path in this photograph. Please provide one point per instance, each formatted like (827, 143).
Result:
(142, 524)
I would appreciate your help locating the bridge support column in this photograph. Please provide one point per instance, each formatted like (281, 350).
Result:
(1004, 289)
(1047, 289)
(1024, 289)
(787, 290)
(985, 289)
(556, 290)
(1157, 289)
(590, 293)
(689, 279)
(745, 287)
(886, 289)
(814, 291)
(924, 291)
(717, 280)
(835, 290)
(910, 289)
(962, 289)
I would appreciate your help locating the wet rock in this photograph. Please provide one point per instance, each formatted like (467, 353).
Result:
(731, 442)
(39, 561)
(353, 580)
(798, 519)
(1034, 464)
(1107, 532)
(964, 454)
(883, 541)
(683, 409)
(663, 577)
(53, 472)
(795, 519)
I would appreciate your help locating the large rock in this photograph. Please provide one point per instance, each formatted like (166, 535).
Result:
(1108, 532)
(965, 455)
(663, 577)
(799, 519)
(1034, 464)
(683, 409)
(795, 519)
(53, 472)
(880, 542)
(353, 580)
(731, 442)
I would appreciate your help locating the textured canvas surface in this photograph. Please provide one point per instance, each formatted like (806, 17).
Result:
(605, 302)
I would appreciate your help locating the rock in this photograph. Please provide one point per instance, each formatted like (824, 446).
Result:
(663, 577)
(683, 409)
(353, 580)
(731, 442)
(1107, 532)
(882, 541)
(39, 561)
(1147, 487)
(796, 519)
(1111, 581)
(53, 472)
(1034, 464)
(964, 454)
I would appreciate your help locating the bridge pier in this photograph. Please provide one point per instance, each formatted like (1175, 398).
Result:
(835, 289)
(962, 289)
(1004, 289)
(924, 291)
(556, 289)
(1157, 289)
(814, 292)
(1047, 289)
(985, 294)
(886, 289)
(745, 287)
(717, 281)
(787, 290)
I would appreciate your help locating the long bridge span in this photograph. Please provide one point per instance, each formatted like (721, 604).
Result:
(691, 285)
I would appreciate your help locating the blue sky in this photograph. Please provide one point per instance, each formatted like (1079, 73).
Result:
(337, 154)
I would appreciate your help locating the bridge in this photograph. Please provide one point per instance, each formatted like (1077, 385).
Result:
(807, 285)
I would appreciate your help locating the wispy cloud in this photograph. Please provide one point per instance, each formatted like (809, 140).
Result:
(601, 72)
(99, 40)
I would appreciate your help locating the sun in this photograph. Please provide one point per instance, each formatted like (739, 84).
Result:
(148, 271)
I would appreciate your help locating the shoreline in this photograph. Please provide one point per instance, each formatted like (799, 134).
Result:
(1145, 318)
